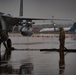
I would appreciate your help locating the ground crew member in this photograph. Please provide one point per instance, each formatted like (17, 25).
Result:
(61, 51)
(62, 38)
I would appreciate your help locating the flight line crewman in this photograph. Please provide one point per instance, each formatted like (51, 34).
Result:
(62, 38)
(62, 46)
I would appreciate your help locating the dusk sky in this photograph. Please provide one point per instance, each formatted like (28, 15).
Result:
(41, 8)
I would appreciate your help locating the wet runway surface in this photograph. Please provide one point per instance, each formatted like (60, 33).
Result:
(27, 62)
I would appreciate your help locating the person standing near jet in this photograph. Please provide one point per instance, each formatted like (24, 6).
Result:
(62, 38)
(61, 51)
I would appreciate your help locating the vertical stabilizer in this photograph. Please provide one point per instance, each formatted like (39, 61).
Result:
(21, 8)
(73, 28)
(17, 28)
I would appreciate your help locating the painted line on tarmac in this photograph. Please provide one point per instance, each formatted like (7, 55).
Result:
(41, 36)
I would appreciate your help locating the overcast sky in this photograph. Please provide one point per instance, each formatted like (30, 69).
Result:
(41, 8)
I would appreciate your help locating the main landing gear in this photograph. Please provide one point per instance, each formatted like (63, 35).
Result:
(8, 49)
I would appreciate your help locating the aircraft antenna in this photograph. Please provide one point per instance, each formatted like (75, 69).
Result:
(52, 21)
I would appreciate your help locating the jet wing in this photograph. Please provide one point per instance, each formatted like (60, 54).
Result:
(23, 18)
(16, 20)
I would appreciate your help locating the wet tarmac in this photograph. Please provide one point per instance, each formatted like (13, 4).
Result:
(23, 61)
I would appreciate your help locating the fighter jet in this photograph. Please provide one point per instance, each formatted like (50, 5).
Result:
(56, 29)
(7, 22)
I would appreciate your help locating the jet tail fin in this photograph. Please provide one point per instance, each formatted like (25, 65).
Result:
(21, 8)
(73, 28)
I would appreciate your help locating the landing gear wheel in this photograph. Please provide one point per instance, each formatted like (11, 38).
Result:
(9, 43)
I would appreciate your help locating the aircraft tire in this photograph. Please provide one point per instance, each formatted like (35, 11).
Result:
(9, 43)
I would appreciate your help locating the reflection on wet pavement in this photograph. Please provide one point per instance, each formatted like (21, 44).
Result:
(36, 62)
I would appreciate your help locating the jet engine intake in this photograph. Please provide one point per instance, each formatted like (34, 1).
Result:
(26, 31)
